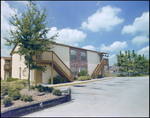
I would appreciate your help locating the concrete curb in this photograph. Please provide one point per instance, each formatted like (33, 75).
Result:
(33, 107)
(80, 82)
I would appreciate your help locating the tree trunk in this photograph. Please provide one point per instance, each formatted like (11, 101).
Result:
(29, 77)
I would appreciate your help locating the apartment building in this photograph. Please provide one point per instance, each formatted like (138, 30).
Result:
(6, 67)
(61, 60)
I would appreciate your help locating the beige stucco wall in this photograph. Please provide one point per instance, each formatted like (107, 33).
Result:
(16, 64)
(2, 68)
(63, 53)
(92, 59)
(47, 74)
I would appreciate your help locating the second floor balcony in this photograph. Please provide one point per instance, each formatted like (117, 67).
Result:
(7, 66)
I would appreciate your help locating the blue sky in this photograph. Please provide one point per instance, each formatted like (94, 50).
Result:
(104, 26)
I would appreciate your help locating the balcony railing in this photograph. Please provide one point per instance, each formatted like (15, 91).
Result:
(7, 66)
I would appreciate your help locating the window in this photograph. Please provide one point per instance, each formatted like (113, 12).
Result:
(74, 70)
(73, 54)
(83, 56)
(24, 72)
(20, 57)
(19, 73)
(83, 68)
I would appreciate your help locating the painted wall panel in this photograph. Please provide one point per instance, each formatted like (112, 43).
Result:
(93, 60)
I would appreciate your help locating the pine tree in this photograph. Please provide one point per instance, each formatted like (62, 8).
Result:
(30, 36)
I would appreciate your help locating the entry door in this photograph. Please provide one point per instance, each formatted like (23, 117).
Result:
(39, 76)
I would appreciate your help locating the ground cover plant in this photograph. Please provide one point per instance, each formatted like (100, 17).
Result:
(83, 75)
(58, 79)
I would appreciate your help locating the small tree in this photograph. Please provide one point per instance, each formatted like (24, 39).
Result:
(29, 30)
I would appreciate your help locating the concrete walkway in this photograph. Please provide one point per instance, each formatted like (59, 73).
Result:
(76, 82)
(117, 97)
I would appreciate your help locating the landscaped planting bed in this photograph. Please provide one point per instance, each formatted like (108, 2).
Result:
(17, 91)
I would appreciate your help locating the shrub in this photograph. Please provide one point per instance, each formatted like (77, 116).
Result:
(14, 94)
(26, 98)
(4, 90)
(56, 92)
(83, 73)
(22, 82)
(99, 76)
(32, 87)
(82, 78)
(76, 77)
(9, 79)
(7, 101)
(58, 79)
(41, 88)
(50, 89)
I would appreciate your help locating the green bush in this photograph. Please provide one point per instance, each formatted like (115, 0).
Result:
(32, 87)
(41, 88)
(57, 92)
(7, 101)
(76, 77)
(50, 89)
(82, 78)
(58, 79)
(99, 76)
(22, 82)
(4, 90)
(26, 98)
(14, 94)
(83, 73)
(9, 79)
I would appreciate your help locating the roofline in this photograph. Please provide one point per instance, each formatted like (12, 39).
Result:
(68, 46)
(6, 58)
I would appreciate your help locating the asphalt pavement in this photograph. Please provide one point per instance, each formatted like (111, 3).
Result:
(117, 97)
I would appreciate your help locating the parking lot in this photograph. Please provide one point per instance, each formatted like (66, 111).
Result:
(120, 96)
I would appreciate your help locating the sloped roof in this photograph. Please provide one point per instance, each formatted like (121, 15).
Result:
(112, 68)
(6, 58)
(66, 46)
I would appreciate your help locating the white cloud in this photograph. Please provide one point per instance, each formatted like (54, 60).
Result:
(5, 52)
(144, 51)
(106, 18)
(98, 3)
(23, 2)
(112, 59)
(139, 40)
(67, 36)
(90, 47)
(140, 24)
(116, 46)
(5, 26)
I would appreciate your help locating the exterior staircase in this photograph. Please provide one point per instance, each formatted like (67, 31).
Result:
(58, 65)
(99, 67)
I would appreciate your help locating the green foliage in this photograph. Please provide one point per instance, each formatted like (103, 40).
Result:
(4, 90)
(99, 76)
(83, 73)
(9, 79)
(83, 78)
(132, 63)
(30, 36)
(57, 92)
(32, 87)
(7, 101)
(58, 79)
(26, 98)
(50, 89)
(14, 94)
(41, 88)
(44, 89)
